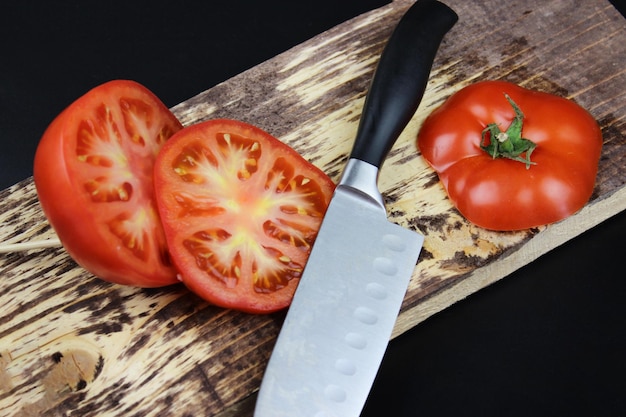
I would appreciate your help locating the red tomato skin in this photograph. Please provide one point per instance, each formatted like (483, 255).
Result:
(501, 194)
(77, 221)
(241, 296)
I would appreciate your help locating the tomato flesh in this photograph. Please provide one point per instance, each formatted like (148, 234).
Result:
(93, 173)
(241, 211)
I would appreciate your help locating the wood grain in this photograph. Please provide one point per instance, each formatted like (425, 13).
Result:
(71, 344)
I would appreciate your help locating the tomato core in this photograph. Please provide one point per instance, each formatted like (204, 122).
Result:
(509, 144)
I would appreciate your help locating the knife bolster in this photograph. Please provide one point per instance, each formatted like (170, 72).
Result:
(362, 177)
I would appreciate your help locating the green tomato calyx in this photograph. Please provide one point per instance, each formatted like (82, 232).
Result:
(509, 144)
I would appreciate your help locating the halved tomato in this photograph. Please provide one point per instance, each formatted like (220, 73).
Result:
(241, 211)
(93, 174)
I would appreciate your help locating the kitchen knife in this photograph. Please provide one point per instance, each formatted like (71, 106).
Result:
(346, 304)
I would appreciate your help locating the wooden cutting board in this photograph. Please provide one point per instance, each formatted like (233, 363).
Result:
(69, 341)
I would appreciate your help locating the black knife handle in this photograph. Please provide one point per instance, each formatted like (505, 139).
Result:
(400, 78)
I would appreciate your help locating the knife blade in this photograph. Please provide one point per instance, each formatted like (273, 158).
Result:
(339, 323)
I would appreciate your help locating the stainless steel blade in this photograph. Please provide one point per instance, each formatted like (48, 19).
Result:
(341, 318)
(346, 304)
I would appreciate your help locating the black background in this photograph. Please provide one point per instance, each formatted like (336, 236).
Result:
(549, 340)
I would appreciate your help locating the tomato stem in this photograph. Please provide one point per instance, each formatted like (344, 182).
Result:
(509, 144)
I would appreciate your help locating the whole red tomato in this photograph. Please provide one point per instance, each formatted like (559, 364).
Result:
(511, 158)
(93, 174)
(241, 211)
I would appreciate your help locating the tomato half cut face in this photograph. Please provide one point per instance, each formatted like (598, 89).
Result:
(241, 211)
(93, 174)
